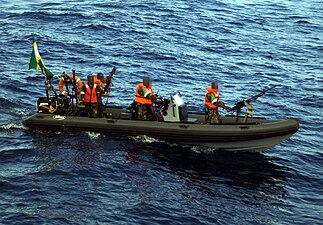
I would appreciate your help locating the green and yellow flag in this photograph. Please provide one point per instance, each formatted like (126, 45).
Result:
(36, 62)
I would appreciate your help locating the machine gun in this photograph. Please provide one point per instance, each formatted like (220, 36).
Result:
(249, 112)
(108, 83)
(161, 105)
(241, 104)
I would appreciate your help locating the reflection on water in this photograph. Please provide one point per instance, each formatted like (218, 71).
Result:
(65, 151)
(99, 172)
(252, 171)
(248, 170)
(219, 184)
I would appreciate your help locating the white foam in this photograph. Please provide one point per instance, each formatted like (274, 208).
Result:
(93, 135)
(202, 149)
(145, 139)
(13, 126)
(21, 113)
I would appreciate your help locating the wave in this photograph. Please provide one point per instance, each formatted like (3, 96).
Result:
(13, 126)
(48, 15)
(93, 135)
(92, 26)
(7, 104)
(183, 45)
(145, 139)
(302, 22)
(13, 87)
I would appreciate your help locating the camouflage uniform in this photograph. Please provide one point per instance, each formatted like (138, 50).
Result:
(91, 109)
(212, 116)
(212, 103)
(143, 111)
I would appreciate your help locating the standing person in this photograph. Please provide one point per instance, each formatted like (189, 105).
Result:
(144, 99)
(212, 103)
(90, 94)
(99, 80)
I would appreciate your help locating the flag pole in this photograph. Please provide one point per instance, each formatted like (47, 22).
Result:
(43, 69)
(47, 88)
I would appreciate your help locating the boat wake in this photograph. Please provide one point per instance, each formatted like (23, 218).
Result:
(13, 126)
(93, 135)
(193, 148)
(202, 149)
(145, 139)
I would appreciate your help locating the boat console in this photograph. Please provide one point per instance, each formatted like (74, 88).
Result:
(175, 110)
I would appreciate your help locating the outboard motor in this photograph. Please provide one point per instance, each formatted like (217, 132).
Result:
(176, 110)
(42, 105)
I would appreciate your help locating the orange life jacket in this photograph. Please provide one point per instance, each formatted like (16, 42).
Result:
(98, 82)
(67, 77)
(141, 99)
(90, 94)
(206, 100)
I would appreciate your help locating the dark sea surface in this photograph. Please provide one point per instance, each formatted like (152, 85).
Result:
(87, 178)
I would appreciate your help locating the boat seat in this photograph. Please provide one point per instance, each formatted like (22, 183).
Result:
(125, 116)
(191, 120)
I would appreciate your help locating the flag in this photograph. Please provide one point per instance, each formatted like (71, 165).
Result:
(36, 62)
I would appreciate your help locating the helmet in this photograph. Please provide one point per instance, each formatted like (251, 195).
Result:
(147, 81)
(214, 85)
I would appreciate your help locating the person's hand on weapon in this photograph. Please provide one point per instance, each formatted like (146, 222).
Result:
(81, 100)
(227, 108)
(222, 105)
(61, 95)
(154, 98)
(99, 92)
(160, 101)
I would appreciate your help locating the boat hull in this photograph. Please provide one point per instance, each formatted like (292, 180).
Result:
(231, 135)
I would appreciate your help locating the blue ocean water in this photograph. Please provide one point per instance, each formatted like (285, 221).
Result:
(87, 178)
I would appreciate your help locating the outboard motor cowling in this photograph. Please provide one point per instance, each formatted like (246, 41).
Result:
(42, 105)
(176, 110)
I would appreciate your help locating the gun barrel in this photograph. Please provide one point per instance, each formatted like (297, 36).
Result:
(241, 104)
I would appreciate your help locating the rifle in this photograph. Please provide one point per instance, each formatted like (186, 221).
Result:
(108, 83)
(241, 104)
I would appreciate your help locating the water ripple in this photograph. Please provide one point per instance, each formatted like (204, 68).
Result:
(57, 178)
